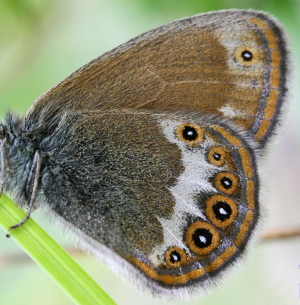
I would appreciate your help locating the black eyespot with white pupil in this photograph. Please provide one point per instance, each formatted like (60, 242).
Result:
(175, 257)
(217, 156)
(247, 55)
(202, 238)
(226, 182)
(189, 133)
(222, 210)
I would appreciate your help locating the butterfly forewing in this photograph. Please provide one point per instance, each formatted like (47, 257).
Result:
(198, 63)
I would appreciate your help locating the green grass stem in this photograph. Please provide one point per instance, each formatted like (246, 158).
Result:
(80, 287)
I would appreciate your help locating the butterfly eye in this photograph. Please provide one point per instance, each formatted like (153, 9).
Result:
(202, 238)
(221, 210)
(190, 134)
(176, 257)
(226, 182)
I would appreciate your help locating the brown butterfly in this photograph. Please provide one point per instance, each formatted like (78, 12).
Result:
(151, 154)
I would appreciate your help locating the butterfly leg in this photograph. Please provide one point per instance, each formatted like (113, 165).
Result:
(35, 175)
(3, 165)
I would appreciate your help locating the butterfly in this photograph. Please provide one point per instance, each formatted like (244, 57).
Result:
(151, 155)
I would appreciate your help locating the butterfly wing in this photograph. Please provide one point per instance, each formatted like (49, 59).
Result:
(175, 195)
(198, 63)
(168, 183)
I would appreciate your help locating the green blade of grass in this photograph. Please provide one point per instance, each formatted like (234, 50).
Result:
(81, 288)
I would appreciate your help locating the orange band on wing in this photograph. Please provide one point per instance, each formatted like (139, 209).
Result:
(265, 28)
(263, 129)
(275, 77)
(271, 104)
(221, 259)
(250, 194)
(168, 279)
(184, 278)
(244, 228)
(227, 135)
(246, 161)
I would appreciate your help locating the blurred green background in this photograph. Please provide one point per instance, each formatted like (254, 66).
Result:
(41, 42)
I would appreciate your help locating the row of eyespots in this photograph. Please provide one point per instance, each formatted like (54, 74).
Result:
(201, 237)
(225, 182)
(221, 210)
(193, 135)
